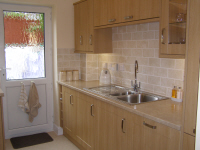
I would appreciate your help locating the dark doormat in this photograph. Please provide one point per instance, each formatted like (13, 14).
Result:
(30, 140)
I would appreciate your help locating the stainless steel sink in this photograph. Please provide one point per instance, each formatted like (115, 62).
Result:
(125, 95)
(140, 98)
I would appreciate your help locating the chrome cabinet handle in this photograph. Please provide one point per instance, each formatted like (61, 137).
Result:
(112, 20)
(61, 99)
(123, 120)
(162, 36)
(92, 110)
(148, 125)
(128, 17)
(90, 40)
(71, 100)
(81, 38)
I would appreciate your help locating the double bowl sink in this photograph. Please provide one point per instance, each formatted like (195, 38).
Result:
(125, 94)
(136, 98)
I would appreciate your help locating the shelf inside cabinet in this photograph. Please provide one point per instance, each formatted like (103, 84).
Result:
(178, 24)
(177, 1)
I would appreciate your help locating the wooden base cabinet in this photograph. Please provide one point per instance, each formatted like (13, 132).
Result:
(92, 124)
(113, 129)
(188, 142)
(2, 146)
(86, 114)
(160, 137)
(69, 108)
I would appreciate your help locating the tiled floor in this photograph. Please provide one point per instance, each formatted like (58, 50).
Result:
(59, 143)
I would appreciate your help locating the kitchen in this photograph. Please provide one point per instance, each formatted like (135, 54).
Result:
(145, 39)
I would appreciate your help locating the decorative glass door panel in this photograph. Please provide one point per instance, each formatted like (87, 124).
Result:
(24, 45)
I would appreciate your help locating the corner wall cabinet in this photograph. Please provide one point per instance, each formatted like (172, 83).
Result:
(93, 124)
(173, 29)
(88, 40)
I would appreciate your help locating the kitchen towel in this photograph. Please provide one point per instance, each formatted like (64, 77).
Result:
(23, 100)
(33, 102)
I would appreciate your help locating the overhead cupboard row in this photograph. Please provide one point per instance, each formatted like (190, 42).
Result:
(94, 20)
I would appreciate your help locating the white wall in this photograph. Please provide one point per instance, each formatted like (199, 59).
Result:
(63, 32)
(197, 144)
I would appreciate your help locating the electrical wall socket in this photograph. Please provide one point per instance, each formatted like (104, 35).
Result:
(105, 65)
(121, 67)
(110, 66)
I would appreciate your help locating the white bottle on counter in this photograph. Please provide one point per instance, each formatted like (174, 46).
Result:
(179, 93)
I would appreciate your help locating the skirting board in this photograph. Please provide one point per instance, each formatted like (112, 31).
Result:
(58, 130)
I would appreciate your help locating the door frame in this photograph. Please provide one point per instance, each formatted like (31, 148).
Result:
(47, 81)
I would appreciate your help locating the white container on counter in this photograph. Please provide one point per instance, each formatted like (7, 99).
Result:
(69, 75)
(63, 75)
(75, 75)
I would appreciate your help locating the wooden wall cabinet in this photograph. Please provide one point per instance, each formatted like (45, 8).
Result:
(2, 146)
(173, 29)
(119, 11)
(88, 40)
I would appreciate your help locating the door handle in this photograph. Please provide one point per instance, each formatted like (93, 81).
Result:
(81, 38)
(92, 110)
(71, 100)
(128, 17)
(90, 40)
(148, 125)
(112, 20)
(162, 36)
(123, 120)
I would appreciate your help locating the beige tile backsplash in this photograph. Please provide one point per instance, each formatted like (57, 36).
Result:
(68, 60)
(130, 43)
(140, 42)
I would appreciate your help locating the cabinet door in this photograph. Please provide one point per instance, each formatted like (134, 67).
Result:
(149, 8)
(85, 121)
(91, 26)
(188, 142)
(81, 13)
(113, 132)
(137, 132)
(1, 127)
(114, 11)
(69, 115)
(160, 137)
(100, 12)
(130, 10)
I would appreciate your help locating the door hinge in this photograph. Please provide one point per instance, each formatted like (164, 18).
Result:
(194, 131)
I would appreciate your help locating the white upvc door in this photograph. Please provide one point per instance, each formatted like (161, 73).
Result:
(16, 122)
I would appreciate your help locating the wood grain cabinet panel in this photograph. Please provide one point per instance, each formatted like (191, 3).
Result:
(114, 11)
(69, 115)
(188, 142)
(85, 121)
(81, 26)
(100, 12)
(113, 131)
(149, 9)
(130, 10)
(2, 146)
(88, 40)
(160, 137)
